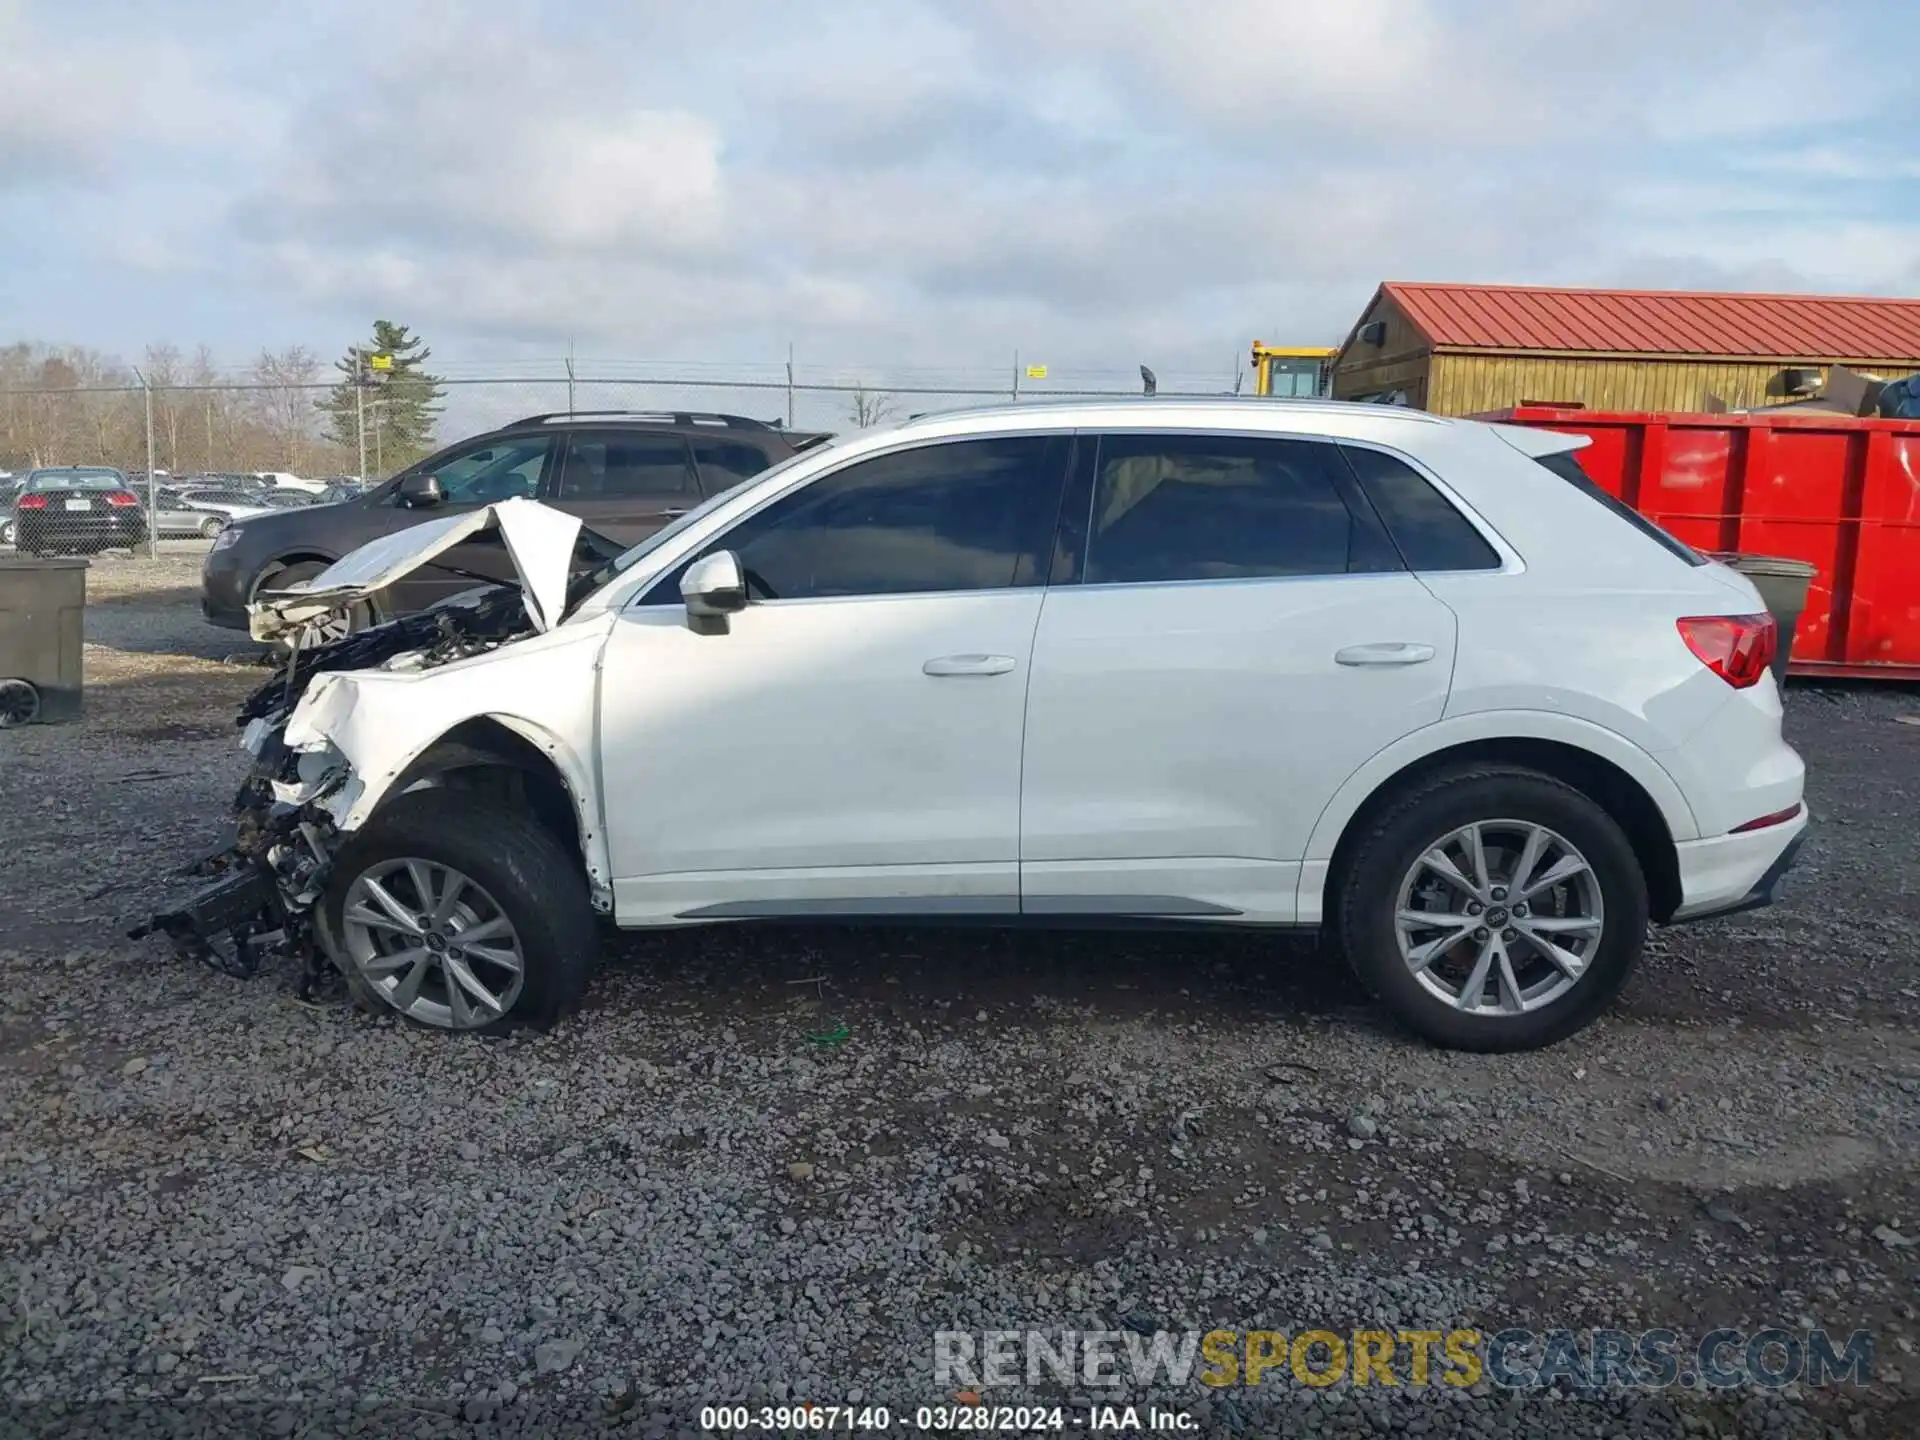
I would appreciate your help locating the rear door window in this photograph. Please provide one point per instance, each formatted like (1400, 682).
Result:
(1222, 507)
(627, 467)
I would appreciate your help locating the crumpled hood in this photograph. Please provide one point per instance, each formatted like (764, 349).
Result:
(539, 539)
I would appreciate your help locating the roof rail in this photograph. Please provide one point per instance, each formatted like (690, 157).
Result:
(658, 417)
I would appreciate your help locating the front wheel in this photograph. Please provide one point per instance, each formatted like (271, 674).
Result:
(212, 526)
(335, 625)
(459, 913)
(1493, 908)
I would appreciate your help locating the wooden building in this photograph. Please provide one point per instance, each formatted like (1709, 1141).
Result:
(1467, 349)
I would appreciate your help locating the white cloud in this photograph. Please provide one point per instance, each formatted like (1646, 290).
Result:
(891, 182)
(73, 111)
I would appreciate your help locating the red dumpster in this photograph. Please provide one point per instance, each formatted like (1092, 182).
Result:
(1840, 492)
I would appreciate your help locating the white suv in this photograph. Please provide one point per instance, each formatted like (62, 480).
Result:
(1414, 682)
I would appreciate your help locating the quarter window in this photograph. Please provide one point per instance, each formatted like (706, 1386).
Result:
(1429, 533)
(725, 463)
(1199, 507)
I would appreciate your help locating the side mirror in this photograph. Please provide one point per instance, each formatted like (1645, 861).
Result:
(422, 492)
(713, 588)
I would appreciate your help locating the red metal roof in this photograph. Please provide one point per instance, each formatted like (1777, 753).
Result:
(1663, 322)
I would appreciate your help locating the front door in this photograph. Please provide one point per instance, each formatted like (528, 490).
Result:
(851, 744)
(1232, 636)
(481, 474)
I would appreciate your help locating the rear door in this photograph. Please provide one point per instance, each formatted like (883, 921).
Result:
(626, 485)
(1228, 635)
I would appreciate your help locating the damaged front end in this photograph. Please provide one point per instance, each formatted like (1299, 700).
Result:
(266, 883)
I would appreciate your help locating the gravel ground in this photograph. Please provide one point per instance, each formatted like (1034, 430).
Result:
(223, 1209)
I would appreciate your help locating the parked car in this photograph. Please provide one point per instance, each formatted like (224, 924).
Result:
(283, 480)
(625, 474)
(235, 505)
(173, 517)
(227, 480)
(1345, 667)
(9, 492)
(81, 509)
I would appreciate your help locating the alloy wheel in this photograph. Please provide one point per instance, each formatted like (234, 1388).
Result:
(1499, 917)
(433, 944)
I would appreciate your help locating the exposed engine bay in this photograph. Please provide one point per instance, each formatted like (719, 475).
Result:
(268, 878)
(272, 874)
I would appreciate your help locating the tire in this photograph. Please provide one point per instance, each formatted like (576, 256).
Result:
(211, 527)
(528, 878)
(1388, 877)
(360, 614)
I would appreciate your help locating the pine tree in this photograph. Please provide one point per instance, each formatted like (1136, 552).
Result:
(400, 410)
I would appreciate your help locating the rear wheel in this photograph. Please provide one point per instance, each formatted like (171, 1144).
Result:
(1493, 908)
(459, 913)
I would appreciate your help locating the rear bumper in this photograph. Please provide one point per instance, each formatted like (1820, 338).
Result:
(40, 528)
(1729, 874)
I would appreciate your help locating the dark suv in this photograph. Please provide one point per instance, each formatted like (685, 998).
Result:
(625, 474)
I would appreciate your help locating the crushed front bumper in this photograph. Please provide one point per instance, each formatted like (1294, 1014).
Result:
(229, 924)
(262, 887)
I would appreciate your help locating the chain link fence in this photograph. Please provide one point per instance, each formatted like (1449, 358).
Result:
(147, 467)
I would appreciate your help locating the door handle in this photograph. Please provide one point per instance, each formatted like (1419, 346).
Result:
(673, 514)
(968, 665)
(1392, 652)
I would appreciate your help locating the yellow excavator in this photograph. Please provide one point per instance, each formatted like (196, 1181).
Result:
(1297, 370)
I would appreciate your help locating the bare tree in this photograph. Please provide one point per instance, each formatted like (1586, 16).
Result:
(163, 372)
(867, 408)
(287, 380)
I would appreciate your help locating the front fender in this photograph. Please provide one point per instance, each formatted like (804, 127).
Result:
(543, 688)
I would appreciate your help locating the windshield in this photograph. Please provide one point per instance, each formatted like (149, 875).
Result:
(76, 480)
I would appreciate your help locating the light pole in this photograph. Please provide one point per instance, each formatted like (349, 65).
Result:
(153, 528)
(360, 406)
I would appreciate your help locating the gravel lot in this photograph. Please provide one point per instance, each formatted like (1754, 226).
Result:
(221, 1208)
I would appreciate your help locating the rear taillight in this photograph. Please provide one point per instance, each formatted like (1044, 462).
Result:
(120, 499)
(1737, 648)
(31, 502)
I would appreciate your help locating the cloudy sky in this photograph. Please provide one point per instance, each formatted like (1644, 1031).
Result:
(1090, 182)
